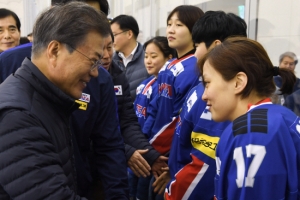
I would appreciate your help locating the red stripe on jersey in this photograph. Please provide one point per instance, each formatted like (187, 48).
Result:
(146, 88)
(174, 62)
(184, 184)
(161, 142)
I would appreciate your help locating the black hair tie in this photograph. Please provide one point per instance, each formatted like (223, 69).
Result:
(275, 71)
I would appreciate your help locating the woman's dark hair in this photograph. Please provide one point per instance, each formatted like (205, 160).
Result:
(162, 43)
(187, 14)
(240, 54)
(218, 25)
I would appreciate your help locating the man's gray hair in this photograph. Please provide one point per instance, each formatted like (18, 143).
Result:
(69, 24)
(288, 54)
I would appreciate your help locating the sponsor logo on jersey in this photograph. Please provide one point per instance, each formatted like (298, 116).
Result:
(192, 99)
(85, 97)
(83, 105)
(141, 111)
(205, 143)
(118, 89)
(165, 90)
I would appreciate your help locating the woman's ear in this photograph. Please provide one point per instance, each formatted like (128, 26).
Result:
(241, 81)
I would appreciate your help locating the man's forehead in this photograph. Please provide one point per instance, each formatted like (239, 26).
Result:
(10, 19)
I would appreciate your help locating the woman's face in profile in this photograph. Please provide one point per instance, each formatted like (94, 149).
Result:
(219, 94)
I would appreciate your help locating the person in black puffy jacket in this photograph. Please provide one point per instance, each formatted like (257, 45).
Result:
(36, 159)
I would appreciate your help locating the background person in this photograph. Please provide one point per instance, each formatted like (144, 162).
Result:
(175, 79)
(97, 124)
(287, 60)
(157, 53)
(29, 37)
(239, 74)
(10, 33)
(39, 100)
(129, 53)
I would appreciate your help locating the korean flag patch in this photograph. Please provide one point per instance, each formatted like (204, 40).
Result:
(118, 89)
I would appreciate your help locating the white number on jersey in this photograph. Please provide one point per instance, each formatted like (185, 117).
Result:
(259, 153)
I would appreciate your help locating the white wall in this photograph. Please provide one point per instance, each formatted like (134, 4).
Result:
(27, 11)
(279, 28)
(151, 15)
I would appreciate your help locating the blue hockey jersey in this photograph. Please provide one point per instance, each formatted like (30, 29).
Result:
(145, 92)
(258, 156)
(192, 157)
(174, 82)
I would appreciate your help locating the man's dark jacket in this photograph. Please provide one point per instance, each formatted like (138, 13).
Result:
(135, 70)
(36, 159)
(97, 125)
(133, 137)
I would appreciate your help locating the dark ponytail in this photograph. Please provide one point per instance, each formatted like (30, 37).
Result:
(288, 80)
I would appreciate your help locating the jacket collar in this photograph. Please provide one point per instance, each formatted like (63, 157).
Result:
(30, 73)
(139, 51)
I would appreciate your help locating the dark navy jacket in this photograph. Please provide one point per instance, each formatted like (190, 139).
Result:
(97, 126)
(130, 128)
(36, 159)
(135, 70)
(8, 62)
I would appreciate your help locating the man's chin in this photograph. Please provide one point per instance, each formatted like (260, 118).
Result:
(105, 67)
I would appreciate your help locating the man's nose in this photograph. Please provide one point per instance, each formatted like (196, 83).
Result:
(7, 34)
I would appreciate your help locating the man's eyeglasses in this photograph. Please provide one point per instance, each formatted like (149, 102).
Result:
(95, 65)
(119, 33)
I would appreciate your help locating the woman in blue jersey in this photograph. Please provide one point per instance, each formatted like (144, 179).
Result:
(258, 155)
(157, 53)
(175, 79)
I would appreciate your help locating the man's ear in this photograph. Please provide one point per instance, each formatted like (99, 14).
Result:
(53, 50)
(130, 34)
(241, 81)
(214, 43)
